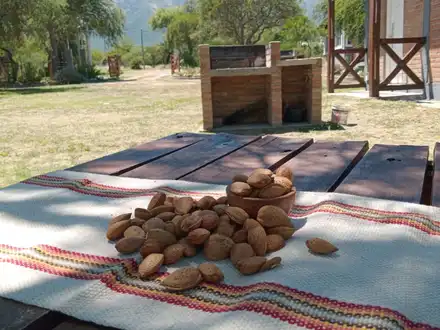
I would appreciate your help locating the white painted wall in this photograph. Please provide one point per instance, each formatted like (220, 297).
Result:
(395, 16)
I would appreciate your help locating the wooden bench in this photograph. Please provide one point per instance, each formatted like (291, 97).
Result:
(389, 172)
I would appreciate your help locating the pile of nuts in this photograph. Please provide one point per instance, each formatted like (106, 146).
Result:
(172, 228)
(262, 183)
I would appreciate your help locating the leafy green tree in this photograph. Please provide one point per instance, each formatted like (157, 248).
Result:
(349, 17)
(245, 22)
(297, 30)
(182, 31)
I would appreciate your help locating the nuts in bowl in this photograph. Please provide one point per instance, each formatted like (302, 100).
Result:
(262, 187)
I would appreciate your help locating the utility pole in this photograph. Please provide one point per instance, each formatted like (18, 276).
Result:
(142, 43)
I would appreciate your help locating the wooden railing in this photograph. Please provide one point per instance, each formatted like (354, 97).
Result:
(402, 64)
(349, 67)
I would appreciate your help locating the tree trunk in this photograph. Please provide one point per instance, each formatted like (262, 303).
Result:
(54, 61)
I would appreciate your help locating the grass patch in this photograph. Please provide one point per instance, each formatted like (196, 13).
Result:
(42, 132)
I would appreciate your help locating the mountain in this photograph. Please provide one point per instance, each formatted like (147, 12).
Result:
(138, 12)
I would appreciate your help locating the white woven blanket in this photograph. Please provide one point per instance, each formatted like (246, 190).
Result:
(54, 254)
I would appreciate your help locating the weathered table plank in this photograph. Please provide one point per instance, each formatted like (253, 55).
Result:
(436, 179)
(389, 172)
(18, 316)
(128, 159)
(324, 164)
(73, 324)
(185, 161)
(268, 152)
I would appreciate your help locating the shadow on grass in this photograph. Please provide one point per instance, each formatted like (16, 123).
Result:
(39, 90)
(249, 130)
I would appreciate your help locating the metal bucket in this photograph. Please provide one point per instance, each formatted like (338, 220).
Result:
(340, 115)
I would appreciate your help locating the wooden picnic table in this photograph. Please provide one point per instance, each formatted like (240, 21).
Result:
(401, 173)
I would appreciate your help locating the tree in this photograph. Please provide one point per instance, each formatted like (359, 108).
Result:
(349, 17)
(182, 31)
(298, 29)
(55, 23)
(245, 22)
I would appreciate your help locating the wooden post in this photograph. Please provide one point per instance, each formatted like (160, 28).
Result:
(366, 27)
(426, 63)
(331, 47)
(374, 48)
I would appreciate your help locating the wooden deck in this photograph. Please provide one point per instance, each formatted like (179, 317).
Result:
(401, 173)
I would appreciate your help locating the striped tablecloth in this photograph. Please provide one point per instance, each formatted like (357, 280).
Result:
(55, 255)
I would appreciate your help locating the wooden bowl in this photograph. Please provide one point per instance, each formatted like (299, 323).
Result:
(252, 205)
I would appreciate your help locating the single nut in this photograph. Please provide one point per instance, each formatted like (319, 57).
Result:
(255, 193)
(250, 223)
(218, 247)
(240, 189)
(125, 216)
(240, 178)
(222, 200)
(177, 221)
(150, 246)
(169, 201)
(150, 265)
(198, 236)
(134, 231)
(157, 200)
(250, 265)
(320, 246)
(166, 216)
(211, 273)
(190, 250)
(259, 180)
(286, 172)
(164, 237)
(225, 218)
(220, 209)
(284, 232)
(282, 181)
(272, 190)
(183, 279)
(237, 214)
(210, 219)
(170, 227)
(117, 229)
(173, 254)
(183, 205)
(142, 214)
(272, 216)
(258, 240)
(240, 236)
(225, 228)
(275, 243)
(206, 202)
(241, 251)
(153, 223)
(129, 245)
(271, 264)
(137, 222)
(191, 223)
(161, 209)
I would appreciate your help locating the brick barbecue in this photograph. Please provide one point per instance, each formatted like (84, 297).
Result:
(253, 85)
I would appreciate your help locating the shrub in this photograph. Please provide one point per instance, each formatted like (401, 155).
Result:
(98, 57)
(31, 62)
(69, 75)
(136, 63)
(90, 71)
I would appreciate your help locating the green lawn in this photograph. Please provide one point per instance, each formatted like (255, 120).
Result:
(49, 128)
